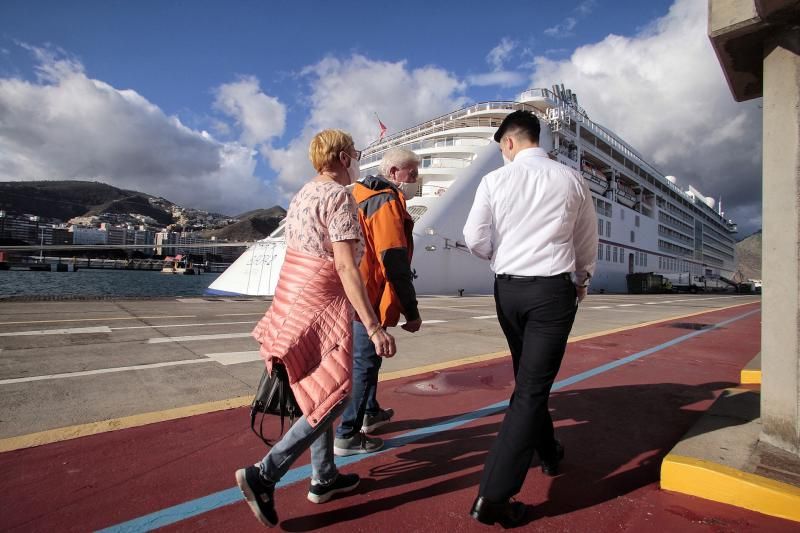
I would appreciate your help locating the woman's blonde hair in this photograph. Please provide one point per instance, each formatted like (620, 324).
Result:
(325, 147)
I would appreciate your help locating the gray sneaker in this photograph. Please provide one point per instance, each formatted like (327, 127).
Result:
(373, 422)
(318, 493)
(358, 443)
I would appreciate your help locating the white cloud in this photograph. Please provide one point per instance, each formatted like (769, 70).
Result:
(69, 126)
(663, 91)
(562, 30)
(346, 94)
(586, 7)
(260, 117)
(498, 55)
(497, 58)
(503, 78)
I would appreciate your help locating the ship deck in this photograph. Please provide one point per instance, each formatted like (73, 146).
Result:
(131, 415)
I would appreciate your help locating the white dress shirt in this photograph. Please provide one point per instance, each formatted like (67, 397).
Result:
(534, 217)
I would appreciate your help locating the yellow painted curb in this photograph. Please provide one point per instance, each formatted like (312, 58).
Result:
(750, 377)
(719, 483)
(82, 430)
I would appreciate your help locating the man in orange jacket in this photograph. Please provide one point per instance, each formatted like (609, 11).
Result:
(386, 271)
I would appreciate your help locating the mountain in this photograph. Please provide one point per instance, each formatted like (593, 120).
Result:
(252, 225)
(748, 256)
(57, 199)
(133, 204)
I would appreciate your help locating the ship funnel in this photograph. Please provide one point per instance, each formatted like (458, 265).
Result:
(672, 179)
(710, 202)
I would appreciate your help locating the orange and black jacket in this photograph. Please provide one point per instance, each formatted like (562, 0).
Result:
(388, 247)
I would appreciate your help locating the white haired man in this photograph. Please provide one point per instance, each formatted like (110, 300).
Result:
(386, 272)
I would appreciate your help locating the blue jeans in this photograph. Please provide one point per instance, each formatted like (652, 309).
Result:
(292, 445)
(366, 364)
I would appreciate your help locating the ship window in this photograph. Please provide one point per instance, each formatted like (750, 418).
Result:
(599, 252)
(448, 141)
(608, 252)
(616, 256)
(599, 226)
(622, 214)
(633, 236)
(426, 161)
(637, 221)
(608, 228)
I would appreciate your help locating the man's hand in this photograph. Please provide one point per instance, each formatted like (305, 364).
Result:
(412, 325)
(581, 293)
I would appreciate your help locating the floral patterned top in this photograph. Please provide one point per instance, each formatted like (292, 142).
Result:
(321, 213)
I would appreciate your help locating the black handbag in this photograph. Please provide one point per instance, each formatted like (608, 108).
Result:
(273, 397)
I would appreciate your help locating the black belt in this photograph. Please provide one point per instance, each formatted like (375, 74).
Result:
(564, 276)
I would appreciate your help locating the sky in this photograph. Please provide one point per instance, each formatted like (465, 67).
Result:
(212, 104)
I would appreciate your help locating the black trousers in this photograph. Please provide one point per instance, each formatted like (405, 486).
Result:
(536, 317)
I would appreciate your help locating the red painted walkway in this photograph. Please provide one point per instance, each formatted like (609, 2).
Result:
(616, 427)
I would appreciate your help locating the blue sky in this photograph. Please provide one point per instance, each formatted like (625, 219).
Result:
(211, 104)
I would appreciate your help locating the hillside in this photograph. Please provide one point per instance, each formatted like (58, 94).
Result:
(748, 256)
(252, 225)
(57, 199)
(133, 204)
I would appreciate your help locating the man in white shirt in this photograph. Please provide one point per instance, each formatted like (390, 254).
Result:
(535, 220)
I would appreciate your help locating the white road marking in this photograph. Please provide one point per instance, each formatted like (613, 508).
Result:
(598, 307)
(484, 317)
(233, 358)
(241, 314)
(64, 331)
(94, 319)
(102, 371)
(184, 325)
(433, 321)
(159, 340)
(626, 305)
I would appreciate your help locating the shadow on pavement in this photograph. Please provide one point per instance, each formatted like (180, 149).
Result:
(615, 439)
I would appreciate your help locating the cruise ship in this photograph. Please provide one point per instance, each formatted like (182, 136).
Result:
(645, 220)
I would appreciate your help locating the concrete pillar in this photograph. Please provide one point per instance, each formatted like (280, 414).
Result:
(780, 333)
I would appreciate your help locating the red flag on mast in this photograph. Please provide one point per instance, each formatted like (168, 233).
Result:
(382, 126)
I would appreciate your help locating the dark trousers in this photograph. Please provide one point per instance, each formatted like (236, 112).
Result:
(366, 365)
(536, 317)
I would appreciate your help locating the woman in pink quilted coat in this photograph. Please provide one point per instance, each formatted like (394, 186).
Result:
(308, 327)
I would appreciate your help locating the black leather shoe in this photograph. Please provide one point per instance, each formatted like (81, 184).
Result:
(550, 468)
(507, 513)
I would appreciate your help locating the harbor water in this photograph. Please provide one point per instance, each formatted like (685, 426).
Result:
(101, 283)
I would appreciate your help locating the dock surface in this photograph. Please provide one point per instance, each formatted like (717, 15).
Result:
(638, 372)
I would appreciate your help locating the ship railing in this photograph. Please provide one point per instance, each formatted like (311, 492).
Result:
(675, 236)
(537, 93)
(377, 153)
(445, 121)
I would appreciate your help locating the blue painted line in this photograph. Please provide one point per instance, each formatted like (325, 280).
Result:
(225, 497)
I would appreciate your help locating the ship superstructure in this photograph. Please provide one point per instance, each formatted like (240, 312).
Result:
(646, 222)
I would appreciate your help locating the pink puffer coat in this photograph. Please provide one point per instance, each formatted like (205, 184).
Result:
(309, 328)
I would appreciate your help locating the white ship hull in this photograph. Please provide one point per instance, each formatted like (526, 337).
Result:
(645, 222)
